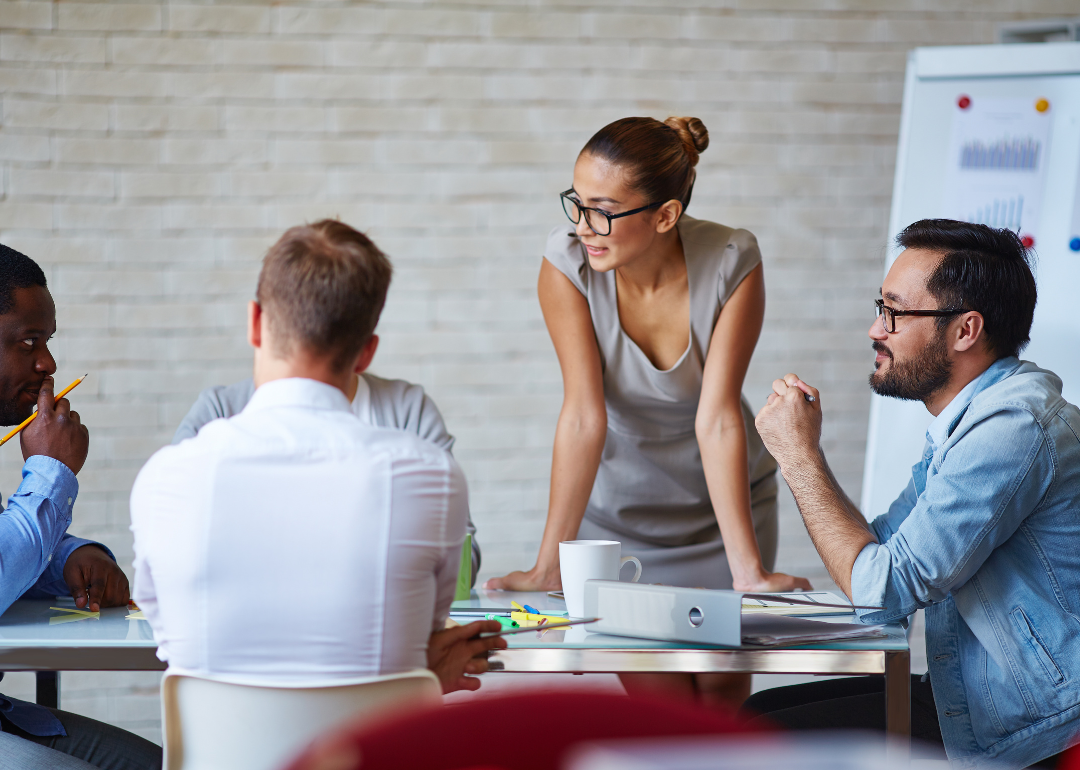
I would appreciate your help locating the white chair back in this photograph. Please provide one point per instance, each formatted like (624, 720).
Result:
(214, 724)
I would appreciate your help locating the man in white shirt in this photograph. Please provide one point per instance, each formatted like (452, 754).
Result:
(376, 401)
(293, 541)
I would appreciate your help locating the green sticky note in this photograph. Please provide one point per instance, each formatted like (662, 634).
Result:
(464, 575)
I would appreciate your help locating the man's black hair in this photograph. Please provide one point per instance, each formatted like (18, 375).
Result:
(982, 269)
(17, 271)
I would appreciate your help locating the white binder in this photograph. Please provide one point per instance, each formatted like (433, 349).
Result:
(665, 612)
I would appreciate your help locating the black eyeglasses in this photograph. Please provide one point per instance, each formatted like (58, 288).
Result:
(599, 224)
(888, 315)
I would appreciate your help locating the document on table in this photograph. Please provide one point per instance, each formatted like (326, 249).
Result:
(755, 604)
(775, 630)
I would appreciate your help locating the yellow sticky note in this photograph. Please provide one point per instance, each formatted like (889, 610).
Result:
(135, 616)
(72, 618)
(72, 615)
(532, 617)
(74, 611)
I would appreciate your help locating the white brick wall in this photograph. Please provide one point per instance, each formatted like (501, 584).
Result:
(151, 151)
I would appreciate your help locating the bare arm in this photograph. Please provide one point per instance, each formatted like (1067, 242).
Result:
(721, 435)
(790, 426)
(580, 433)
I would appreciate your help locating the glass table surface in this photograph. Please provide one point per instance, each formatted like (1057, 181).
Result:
(31, 623)
(580, 637)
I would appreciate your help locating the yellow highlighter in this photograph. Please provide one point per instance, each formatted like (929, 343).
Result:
(18, 428)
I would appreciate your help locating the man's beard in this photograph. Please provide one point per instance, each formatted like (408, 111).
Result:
(10, 414)
(916, 379)
(14, 410)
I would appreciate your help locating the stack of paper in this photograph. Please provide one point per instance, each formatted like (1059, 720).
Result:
(761, 603)
(777, 630)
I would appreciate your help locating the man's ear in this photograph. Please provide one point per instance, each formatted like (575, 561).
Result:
(668, 215)
(969, 332)
(367, 353)
(254, 324)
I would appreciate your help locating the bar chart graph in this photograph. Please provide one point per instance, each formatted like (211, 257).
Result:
(996, 170)
(1004, 154)
(998, 212)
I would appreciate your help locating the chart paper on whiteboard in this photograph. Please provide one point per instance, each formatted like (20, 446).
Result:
(997, 164)
(1074, 224)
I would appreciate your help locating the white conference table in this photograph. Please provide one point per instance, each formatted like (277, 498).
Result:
(30, 642)
(576, 650)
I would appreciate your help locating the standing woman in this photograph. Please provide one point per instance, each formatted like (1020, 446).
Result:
(654, 316)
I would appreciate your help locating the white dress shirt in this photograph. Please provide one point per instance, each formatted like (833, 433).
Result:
(294, 542)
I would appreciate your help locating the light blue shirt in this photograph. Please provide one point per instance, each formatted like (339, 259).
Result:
(986, 537)
(34, 547)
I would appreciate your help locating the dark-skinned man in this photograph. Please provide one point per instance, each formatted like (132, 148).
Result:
(38, 558)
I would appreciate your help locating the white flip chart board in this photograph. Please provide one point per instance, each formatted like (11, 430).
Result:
(988, 134)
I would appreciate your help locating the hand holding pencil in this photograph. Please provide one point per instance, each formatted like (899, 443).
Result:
(54, 430)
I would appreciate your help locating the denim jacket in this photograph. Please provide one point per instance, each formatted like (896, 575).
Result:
(986, 537)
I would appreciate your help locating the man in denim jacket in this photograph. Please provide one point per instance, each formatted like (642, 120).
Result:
(987, 533)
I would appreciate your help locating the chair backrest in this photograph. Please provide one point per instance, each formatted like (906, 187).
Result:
(212, 723)
(483, 732)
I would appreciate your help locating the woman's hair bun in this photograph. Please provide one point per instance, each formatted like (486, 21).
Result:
(658, 158)
(693, 134)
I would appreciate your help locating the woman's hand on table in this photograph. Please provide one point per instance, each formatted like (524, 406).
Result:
(536, 579)
(772, 582)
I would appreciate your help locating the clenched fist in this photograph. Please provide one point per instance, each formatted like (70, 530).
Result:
(790, 423)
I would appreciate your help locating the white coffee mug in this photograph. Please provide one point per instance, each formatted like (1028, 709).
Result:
(582, 560)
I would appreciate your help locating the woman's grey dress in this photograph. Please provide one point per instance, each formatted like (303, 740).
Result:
(650, 490)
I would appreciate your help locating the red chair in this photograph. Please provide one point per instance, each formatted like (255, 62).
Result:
(1070, 759)
(518, 732)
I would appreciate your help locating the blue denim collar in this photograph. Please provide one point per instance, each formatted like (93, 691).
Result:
(942, 426)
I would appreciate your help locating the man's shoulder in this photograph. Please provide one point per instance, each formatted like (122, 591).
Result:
(396, 392)
(407, 407)
(1025, 388)
(214, 403)
(396, 443)
(171, 468)
(209, 435)
(227, 400)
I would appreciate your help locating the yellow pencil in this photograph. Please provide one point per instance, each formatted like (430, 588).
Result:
(15, 431)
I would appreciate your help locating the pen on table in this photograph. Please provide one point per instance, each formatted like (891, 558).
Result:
(18, 428)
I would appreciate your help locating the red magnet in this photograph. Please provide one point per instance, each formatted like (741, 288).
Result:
(1027, 240)
(963, 102)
